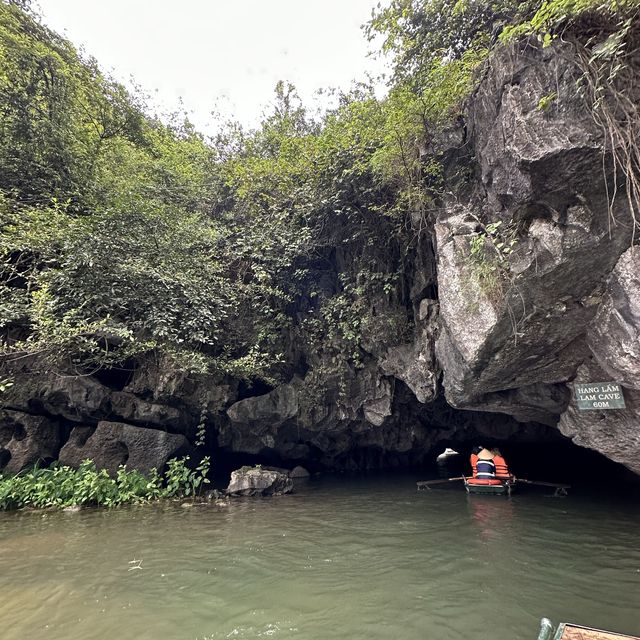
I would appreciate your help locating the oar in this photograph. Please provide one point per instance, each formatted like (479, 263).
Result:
(544, 484)
(426, 483)
(560, 489)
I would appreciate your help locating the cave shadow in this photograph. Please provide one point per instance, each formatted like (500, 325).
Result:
(561, 462)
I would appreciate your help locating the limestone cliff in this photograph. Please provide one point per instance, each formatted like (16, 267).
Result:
(525, 281)
(562, 307)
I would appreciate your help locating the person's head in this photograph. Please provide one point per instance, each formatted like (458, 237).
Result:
(496, 451)
(477, 449)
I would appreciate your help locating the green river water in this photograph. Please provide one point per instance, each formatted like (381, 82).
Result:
(350, 558)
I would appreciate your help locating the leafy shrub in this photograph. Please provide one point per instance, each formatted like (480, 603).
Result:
(61, 486)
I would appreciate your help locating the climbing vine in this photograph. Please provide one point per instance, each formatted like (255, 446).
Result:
(489, 252)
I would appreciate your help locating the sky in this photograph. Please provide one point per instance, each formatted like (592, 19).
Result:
(222, 56)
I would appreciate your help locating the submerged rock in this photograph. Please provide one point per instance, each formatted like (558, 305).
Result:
(74, 508)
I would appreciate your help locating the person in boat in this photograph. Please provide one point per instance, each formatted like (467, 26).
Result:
(485, 466)
(474, 459)
(484, 469)
(502, 470)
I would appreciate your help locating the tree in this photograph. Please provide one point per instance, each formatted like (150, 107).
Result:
(415, 32)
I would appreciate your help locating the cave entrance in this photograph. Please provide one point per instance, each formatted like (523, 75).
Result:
(560, 461)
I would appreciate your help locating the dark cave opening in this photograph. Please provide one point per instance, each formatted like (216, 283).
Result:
(224, 462)
(560, 461)
(116, 378)
(252, 388)
(5, 457)
(411, 444)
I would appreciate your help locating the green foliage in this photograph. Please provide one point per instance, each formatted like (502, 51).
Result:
(57, 114)
(415, 32)
(123, 236)
(201, 429)
(119, 234)
(99, 297)
(436, 47)
(61, 486)
(554, 16)
(182, 481)
(489, 252)
(545, 103)
(318, 189)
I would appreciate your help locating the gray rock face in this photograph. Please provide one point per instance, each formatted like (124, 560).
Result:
(128, 407)
(73, 398)
(538, 403)
(299, 415)
(83, 399)
(614, 339)
(517, 326)
(415, 363)
(26, 440)
(111, 444)
(614, 433)
(523, 325)
(272, 408)
(157, 380)
(614, 335)
(252, 481)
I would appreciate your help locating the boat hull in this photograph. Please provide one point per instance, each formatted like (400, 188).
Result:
(505, 489)
(566, 631)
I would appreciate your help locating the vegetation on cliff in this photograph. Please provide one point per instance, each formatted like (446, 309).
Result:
(124, 235)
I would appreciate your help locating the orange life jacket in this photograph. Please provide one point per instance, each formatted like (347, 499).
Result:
(502, 470)
(474, 464)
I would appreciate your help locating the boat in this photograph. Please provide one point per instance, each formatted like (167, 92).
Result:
(446, 454)
(505, 488)
(566, 631)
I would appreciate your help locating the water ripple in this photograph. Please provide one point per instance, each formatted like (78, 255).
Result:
(359, 559)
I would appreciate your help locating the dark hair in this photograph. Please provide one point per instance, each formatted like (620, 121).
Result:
(477, 449)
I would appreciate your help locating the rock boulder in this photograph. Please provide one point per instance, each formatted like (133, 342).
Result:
(111, 444)
(26, 440)
(255, 481)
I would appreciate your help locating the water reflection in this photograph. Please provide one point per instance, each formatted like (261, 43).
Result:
(492, 516)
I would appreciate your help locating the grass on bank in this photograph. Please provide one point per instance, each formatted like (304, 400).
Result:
(61, 486)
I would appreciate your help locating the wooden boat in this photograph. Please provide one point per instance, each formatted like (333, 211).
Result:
(566, 631)
(506, 488)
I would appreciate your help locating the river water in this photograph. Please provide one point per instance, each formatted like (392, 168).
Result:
(350, 558)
